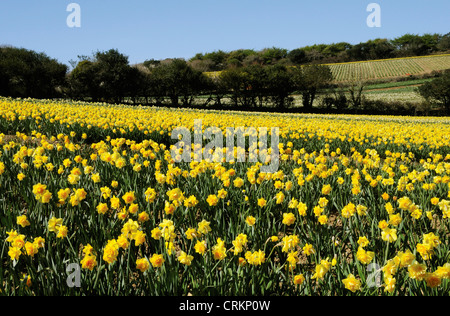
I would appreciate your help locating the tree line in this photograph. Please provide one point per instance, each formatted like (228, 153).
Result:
(407, 45)
(108, 77)
(25, 73)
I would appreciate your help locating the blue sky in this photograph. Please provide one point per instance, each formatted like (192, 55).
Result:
(179, 28)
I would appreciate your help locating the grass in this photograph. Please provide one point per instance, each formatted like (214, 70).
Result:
(396, 85)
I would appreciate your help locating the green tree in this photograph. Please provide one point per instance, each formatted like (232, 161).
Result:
(437, 91)
(444, 42)
(113, 73)
(151, 63)
(178, 80)
(258, 86)
(271, 56)
(279, 86)
(410, 45)
(136, 83)
(237, 57)
(218, 59)
(308, 80)
(107, 76)
(25, 73)
(231, 80)
(84, 82)
(335, 49)
(297, 56)
(247, 85)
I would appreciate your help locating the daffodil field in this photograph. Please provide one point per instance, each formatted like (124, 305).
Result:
(93, 203)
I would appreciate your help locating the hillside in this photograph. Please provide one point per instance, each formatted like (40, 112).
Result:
(385, 68)
(389, 68)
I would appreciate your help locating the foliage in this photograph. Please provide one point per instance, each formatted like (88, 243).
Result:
(309, 79)
(177, 79)
(407, 45)
(25, 73)
(437, 90)
(297, 56)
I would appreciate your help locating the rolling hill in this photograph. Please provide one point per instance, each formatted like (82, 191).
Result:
(384, 69)
(389, 68)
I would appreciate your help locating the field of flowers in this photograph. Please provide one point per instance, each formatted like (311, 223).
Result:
(394, 96)
(92, 202)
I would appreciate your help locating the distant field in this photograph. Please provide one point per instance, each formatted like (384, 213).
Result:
(406, 85)
(402, 91)
(389, 68)
(385, 68)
